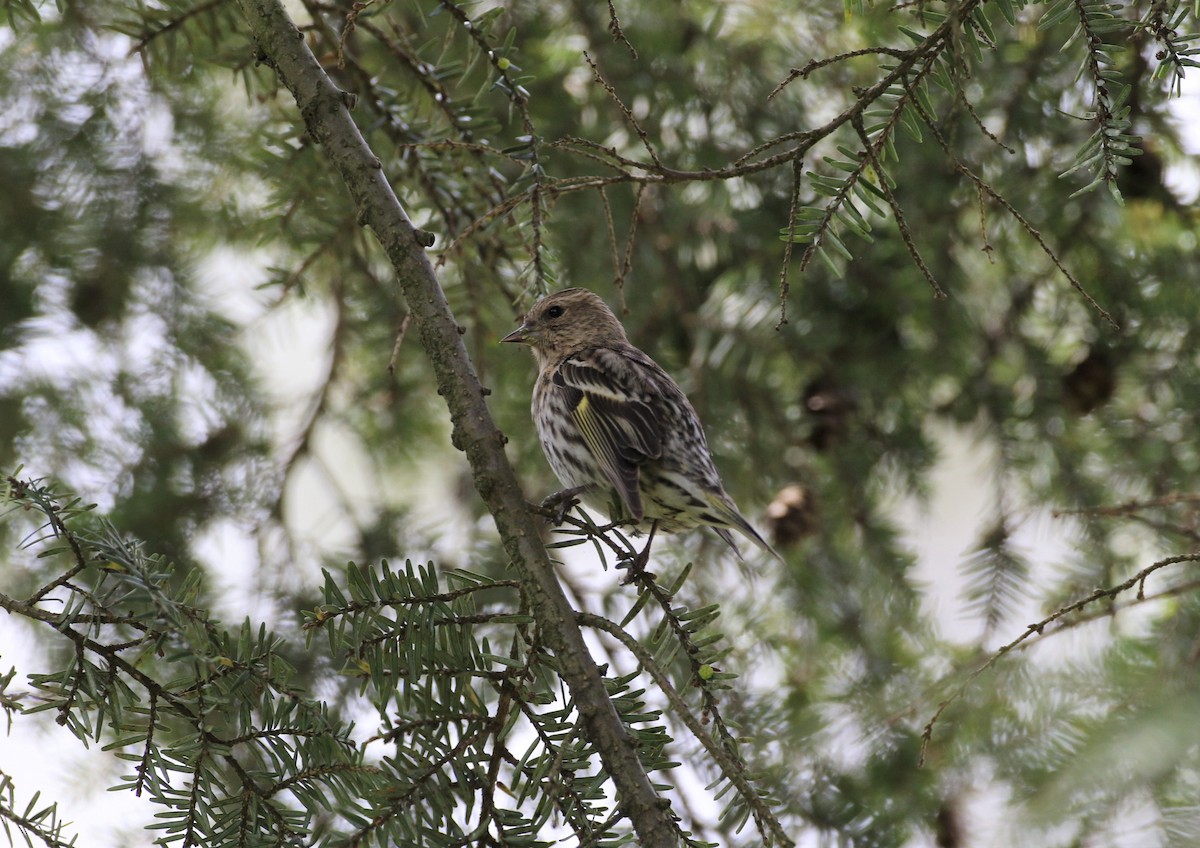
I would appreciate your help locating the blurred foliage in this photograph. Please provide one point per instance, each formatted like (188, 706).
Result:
(196, 335)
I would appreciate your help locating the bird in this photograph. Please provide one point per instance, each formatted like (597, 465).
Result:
(616, 428)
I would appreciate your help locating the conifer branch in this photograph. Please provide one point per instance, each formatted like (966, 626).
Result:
(326, 114)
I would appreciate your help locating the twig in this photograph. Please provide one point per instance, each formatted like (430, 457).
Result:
(961, 97)
(612, 235)
(629, 116)
(1133, 506)
(815, 64)
(627, 262)
(731, 765)
(519, 98)
(404, 322)
(1039, 627)
(614, 26)
(985, 187)
(175, 23)
(785, 285)
(872, 156)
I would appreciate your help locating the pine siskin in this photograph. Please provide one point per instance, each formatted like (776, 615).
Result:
(616, 428)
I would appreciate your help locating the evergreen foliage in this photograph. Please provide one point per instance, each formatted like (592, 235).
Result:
(200, 333)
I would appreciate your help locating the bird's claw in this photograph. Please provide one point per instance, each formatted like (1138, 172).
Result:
(560, 503)
(635, 570)
(635, 564)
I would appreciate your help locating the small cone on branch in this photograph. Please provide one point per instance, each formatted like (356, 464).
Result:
(792, 515)
(1090, 384)
(829, 407)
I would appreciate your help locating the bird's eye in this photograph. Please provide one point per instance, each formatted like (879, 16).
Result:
(554, 312)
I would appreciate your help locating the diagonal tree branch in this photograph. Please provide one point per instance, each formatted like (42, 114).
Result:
(327, 117)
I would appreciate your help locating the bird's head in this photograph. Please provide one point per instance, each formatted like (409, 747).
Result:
(567, 322)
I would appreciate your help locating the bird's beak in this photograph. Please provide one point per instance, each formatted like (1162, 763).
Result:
(522, 335)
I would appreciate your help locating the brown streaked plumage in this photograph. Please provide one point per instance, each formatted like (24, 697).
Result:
(615, 426)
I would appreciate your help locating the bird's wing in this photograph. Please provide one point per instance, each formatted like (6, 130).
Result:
(617, 423)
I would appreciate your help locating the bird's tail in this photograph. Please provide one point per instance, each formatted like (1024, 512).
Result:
(725, 508)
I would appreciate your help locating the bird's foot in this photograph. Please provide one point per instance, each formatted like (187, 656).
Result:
(560, 503)
(635, 565)
(635, 569)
